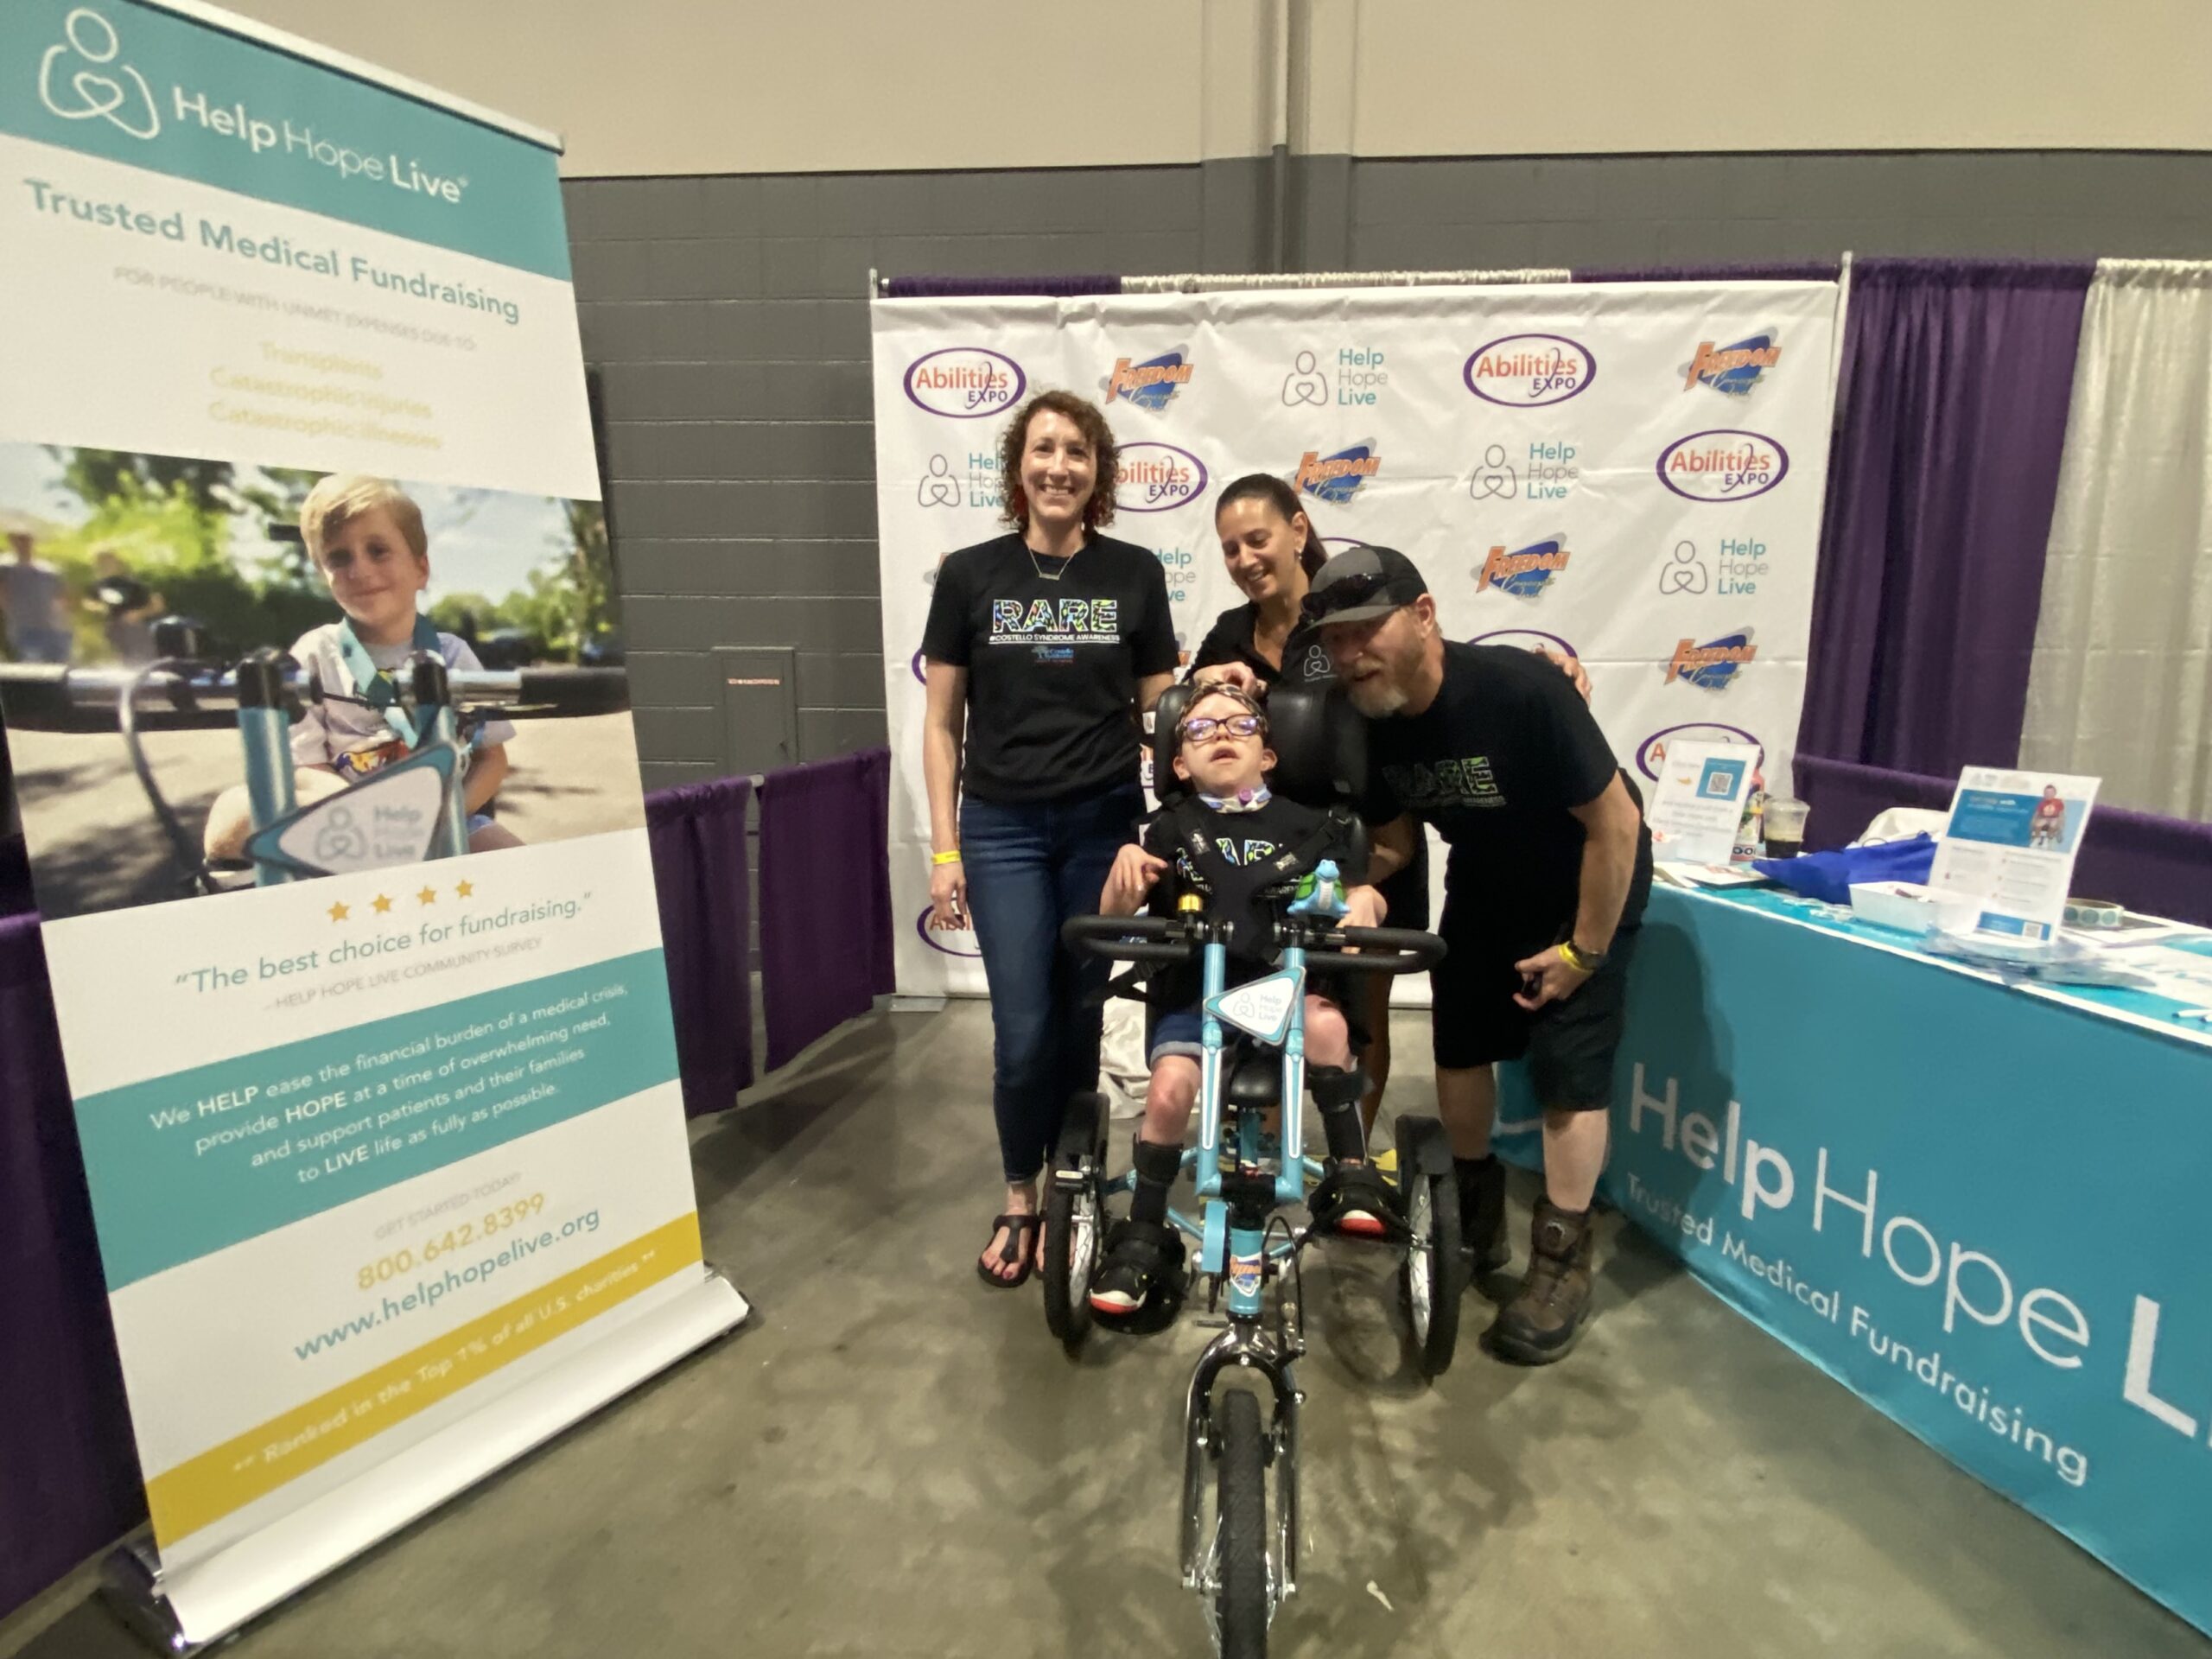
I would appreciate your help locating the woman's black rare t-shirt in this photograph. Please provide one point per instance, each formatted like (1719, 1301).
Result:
(1052, 661)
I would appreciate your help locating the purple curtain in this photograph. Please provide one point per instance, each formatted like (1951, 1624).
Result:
(1780, 272)
(697, 832)
(69, 1476)
(940, 288)
(1951, 414)
(825, 896)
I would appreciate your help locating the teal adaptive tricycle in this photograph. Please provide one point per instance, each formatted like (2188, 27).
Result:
(1247, 1177)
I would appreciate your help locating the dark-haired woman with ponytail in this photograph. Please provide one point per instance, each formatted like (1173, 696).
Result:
(1271, 551)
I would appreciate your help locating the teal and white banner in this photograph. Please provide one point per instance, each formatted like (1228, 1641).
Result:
(1887, 1162)
(389, 1164)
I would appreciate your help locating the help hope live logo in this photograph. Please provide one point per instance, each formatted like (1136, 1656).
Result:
(83, 77)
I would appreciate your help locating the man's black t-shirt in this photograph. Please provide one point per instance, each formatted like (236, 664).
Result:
(1498, 763)
(1243, 838)
(1230, 640)
(1052, 663)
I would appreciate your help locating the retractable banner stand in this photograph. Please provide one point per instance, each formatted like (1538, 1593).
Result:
(1631, 471)
(386, 1155)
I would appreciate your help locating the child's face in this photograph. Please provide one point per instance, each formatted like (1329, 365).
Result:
(1222, 763)
(373, 574)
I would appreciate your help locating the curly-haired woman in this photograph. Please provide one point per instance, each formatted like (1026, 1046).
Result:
(1043, 648)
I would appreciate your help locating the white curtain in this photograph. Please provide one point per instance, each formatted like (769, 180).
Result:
(2122, 682)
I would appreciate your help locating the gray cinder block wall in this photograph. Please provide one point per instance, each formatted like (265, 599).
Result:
(727, 319)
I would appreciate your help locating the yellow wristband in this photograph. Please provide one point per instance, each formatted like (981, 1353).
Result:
(1573, 958)
(945, 858)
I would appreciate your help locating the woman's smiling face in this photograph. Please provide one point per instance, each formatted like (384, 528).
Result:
(1261, 548)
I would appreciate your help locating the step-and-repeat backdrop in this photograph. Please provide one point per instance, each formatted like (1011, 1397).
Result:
(1633, 471)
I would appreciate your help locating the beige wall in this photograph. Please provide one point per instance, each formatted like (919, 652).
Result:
(639, 86)
(643, 87)
(1538, 77)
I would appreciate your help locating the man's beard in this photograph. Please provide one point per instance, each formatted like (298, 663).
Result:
(1378, 697)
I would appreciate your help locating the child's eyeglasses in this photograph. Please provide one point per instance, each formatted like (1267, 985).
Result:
(1204, 726)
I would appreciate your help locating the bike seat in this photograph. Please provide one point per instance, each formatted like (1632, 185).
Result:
(1254, 1080)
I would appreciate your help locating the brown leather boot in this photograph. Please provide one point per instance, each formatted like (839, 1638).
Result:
(1545, 1320)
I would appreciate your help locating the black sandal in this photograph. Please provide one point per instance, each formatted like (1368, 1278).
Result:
(1017, 1229)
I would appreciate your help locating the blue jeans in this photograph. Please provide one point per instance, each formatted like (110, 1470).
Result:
(1029, 868)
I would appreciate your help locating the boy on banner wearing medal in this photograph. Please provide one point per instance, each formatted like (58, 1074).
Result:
(365, 537)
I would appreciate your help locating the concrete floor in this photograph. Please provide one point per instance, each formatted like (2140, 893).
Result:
(891, 1461)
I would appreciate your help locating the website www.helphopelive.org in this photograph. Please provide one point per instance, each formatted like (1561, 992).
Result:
(429, 1293)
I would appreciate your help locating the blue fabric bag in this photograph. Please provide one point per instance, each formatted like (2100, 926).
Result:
(1830, 876)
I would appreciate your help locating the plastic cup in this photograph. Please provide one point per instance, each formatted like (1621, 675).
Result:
(1785, 826)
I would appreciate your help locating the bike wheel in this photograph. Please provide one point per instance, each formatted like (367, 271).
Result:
(1075, 1219)
(1241, 1590)
(1432, 1274)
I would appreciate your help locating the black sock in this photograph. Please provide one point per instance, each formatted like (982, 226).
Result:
(1157, 1167)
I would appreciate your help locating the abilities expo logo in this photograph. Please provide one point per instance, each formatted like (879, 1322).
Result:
(1336, 478)
(1150, 384)
(1526, 572)
(1732, 370)
(1155, 477)
(965, 383)
(951, 941)
(1651, 753)
(1723, 464)
(1529, 371)
(1524, 639)
(1713, 666)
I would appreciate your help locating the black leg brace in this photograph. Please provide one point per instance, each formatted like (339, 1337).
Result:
(1337, 1090)
(1157, 1167)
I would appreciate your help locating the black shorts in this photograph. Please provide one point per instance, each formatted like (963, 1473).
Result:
(1474, 1020)
(1406, 893)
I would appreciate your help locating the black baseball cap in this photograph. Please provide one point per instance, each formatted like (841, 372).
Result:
(1360, 583)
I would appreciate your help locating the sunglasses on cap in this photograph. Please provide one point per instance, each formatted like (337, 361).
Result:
(1199, 727)
(1348, 594)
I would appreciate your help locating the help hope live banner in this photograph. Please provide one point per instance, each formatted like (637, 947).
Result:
(1633, 471)
(389, 1167)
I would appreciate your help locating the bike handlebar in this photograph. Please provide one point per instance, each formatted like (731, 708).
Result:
(39, 697)
(1167, 939)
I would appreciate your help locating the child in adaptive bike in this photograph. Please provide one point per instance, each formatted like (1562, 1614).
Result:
(365, 537)
(1244, 851)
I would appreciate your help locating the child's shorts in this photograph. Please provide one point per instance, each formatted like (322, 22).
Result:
(1179, 1031)
(478, 821)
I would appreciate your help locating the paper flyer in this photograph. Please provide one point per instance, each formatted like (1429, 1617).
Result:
(2008, 846)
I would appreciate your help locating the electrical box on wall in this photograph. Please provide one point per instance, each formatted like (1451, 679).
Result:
(760, 706)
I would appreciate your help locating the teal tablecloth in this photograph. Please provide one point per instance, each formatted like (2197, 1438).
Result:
(1982, 1209)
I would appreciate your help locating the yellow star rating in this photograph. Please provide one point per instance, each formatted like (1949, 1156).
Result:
(462, 889)
(337, 912)
(429, 895)
(382, 903)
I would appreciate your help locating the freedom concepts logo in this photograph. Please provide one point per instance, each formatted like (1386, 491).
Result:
(1713, 666)
(965, 383)
(1525, 572)
(1723, 465)
(1336, 478)
(1732, 370)
(96, 86)
(1150, 384)
(1651, 753)
(1155, 477)
(952, 940)
(1529, 371)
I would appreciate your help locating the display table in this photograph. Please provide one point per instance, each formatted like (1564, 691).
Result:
(1981, 1209)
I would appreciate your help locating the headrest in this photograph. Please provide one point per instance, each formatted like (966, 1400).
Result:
(1319, 740)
